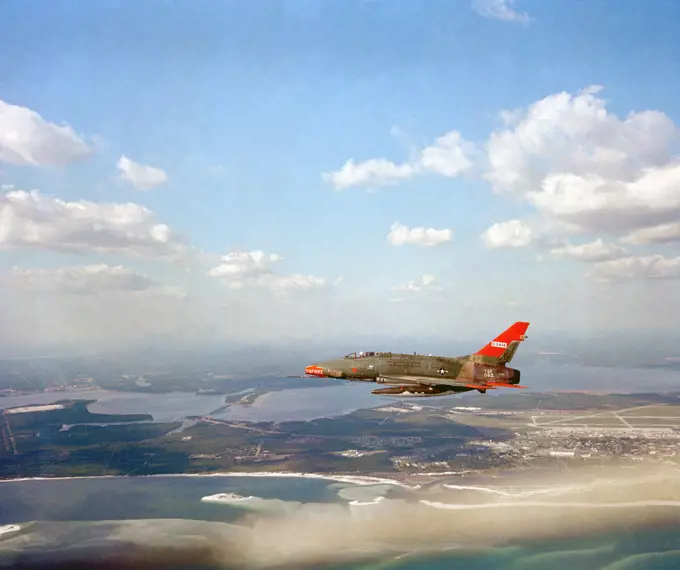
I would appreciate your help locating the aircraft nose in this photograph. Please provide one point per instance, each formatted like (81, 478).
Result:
(314, 370)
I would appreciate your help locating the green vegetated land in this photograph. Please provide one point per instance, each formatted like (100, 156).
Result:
(50, 443)
(364, 442)
(36, 443)
(73, 412)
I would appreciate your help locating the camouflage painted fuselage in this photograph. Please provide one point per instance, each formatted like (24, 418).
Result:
(417, 374)
(420, 375)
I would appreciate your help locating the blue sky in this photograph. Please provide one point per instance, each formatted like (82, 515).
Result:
(244, 106)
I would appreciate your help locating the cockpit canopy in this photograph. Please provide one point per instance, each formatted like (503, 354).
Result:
(354, 355)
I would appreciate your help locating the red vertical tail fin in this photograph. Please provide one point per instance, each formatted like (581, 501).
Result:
(498, 346)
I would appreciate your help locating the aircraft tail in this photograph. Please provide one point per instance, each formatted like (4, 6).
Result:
(502, 349)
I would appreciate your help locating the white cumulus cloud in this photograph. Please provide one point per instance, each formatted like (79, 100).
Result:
(500, 10)
(581, 165)
(597, 204)
(373, 172)
(449, 156)
(255, 269)
(663, 233)
(399, 235)
(648, 267)
(33, 220)
(513, 233)
(141, 176)
(594, 251)
(238, 267)
(26, 139)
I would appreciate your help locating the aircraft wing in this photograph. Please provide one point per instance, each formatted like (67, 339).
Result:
(432, 381)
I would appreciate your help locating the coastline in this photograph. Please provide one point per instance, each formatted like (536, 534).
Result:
(9, 529)
(340, 478)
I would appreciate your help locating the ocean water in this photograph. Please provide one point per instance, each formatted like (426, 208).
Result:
(293, 522)
(121, 498)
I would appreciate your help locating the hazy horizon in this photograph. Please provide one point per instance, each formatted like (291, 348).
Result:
(626, 351)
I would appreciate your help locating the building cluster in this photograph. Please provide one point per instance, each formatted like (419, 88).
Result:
(352, 453)
(410, 463)
(543, 446)
(588, 444)
(380, 442)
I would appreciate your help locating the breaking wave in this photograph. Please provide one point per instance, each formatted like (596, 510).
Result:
(583, 503)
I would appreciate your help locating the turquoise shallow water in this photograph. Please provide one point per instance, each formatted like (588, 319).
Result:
(306, 521)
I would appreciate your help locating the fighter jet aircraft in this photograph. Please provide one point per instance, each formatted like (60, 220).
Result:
(419, 375)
